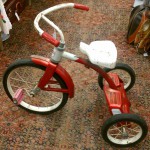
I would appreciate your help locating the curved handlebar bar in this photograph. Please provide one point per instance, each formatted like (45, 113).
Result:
(42, 14)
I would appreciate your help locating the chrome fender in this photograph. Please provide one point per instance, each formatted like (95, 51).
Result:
(59, 70)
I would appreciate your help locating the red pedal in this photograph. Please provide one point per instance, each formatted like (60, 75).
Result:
(18, 96)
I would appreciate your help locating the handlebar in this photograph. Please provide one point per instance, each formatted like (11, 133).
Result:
(42, 14)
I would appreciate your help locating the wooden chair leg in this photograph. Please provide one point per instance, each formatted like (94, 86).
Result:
(1, 43)
(29, 2)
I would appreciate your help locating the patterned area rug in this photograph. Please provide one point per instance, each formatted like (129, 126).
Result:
(77, 126)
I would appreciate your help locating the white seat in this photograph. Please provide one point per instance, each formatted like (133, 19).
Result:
(101, 53)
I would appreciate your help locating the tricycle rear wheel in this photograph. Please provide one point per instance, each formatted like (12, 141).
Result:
(124, 130)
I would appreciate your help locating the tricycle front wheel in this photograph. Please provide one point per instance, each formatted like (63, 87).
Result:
(124, 130)
(25, 74)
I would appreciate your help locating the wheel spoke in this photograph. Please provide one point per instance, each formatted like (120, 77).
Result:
(135, 129)
(115, 135)
(131, 135)
(22, 79)
(117, 128)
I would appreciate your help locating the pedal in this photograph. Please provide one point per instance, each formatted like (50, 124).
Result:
(18, 96)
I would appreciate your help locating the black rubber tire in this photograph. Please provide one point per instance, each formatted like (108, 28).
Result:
(123, 118)
(29, 63)
(123, 67)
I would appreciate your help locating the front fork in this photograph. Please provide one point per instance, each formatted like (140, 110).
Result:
(49, 72)
(52, 68)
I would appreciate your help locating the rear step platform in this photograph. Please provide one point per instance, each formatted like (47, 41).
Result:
(116, 99)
